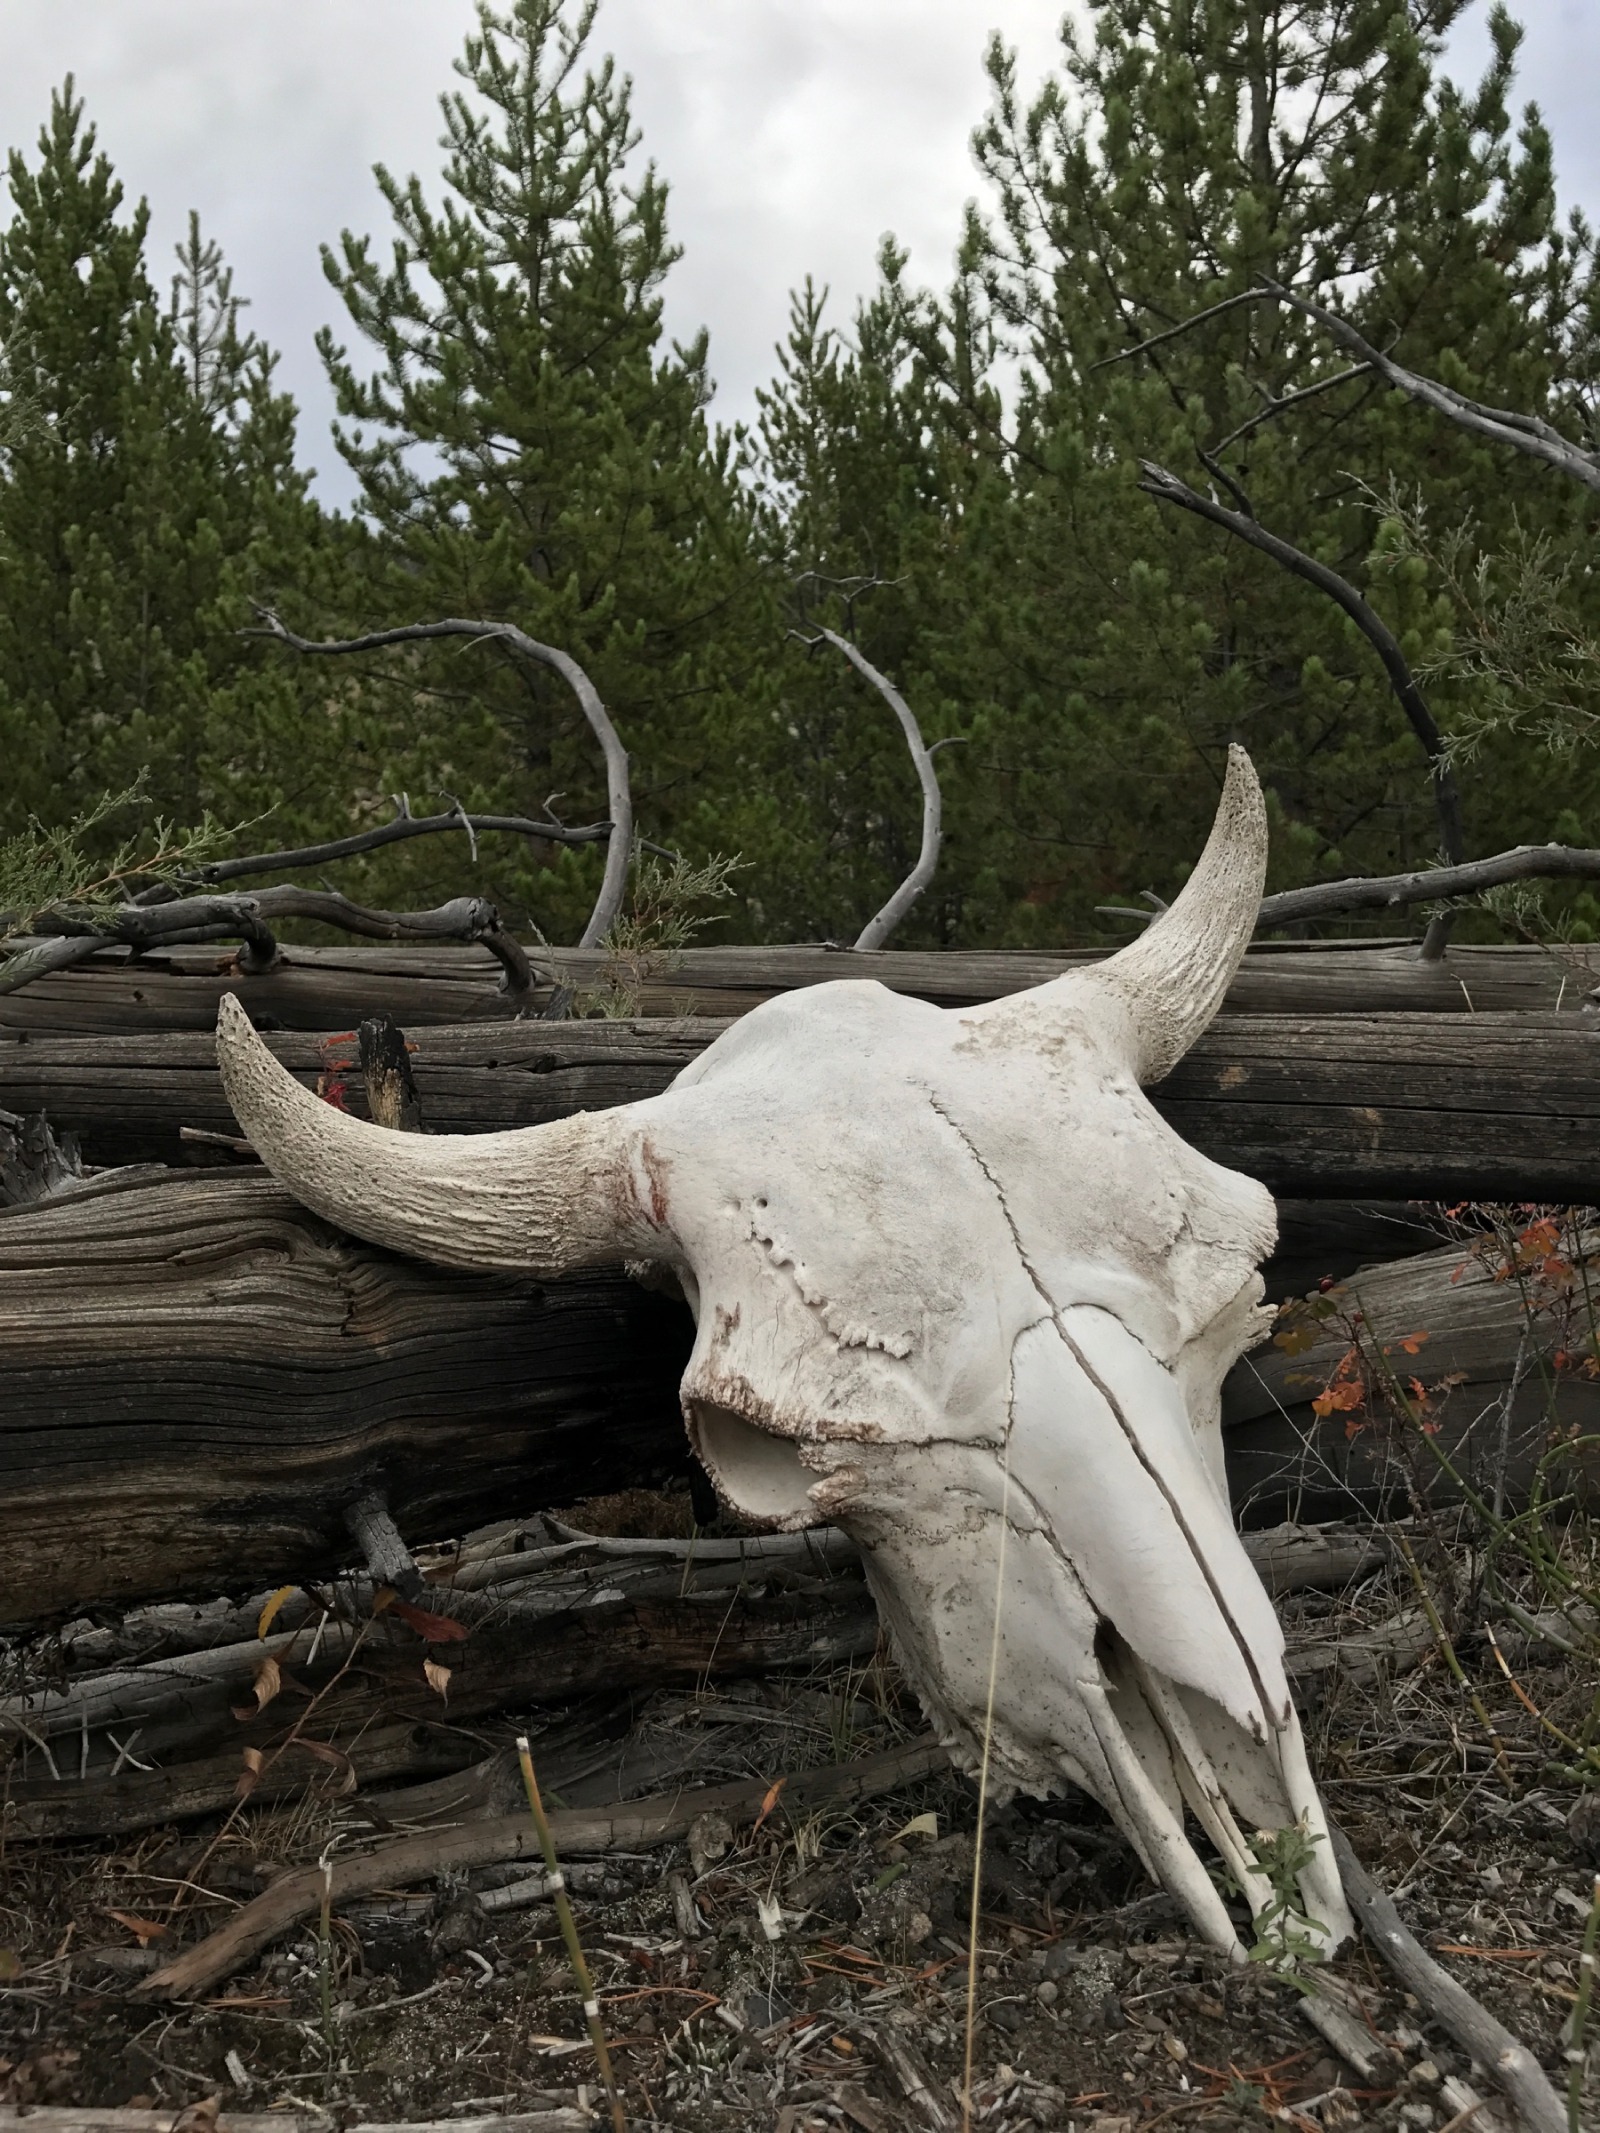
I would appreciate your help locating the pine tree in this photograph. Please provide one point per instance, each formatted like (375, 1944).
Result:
(528, 450)
(1188, 148)
(140, 502)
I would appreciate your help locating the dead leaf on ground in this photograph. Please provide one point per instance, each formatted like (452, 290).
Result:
(250, 1776)
(269, 1613)
(144, 1930)
(198, 2117)
(434, 1629)
(437, 1677)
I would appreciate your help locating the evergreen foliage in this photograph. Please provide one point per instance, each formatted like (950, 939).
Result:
(529, 450)
(147, 485)
(950, 477)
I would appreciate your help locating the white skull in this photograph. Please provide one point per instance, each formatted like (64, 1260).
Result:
(960, 1290)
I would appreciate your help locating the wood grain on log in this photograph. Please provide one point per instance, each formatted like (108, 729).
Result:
(384, 1719)
(199, 1377)
(1492, 1107)
(336, 988)
(1486, 1367)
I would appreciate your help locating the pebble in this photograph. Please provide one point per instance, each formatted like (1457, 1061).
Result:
(1048, 1993)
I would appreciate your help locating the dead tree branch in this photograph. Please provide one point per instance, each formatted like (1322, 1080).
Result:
(619, 793)
(633, 1826)
(1167, 488)
(1525, 433)
(405, 825)
(1501, 425)
(1471, 2025)
(71, 935)
(877, 930)
(1385, 892)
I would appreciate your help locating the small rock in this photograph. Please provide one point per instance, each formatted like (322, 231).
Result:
(1426, 2073)
(710, 1839)
(1047, 1993)
(1111, 2014)
(1583, 1825)
(1417, 2114)
(1006, 2016)
(763, 2009)
(461, 1923)
(919, 1928)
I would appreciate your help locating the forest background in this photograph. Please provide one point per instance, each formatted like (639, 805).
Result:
(950, 477)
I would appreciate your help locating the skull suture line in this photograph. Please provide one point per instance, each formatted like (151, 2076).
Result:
(962, 1291)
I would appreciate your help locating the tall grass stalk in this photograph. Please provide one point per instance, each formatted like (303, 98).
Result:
(569, 1933)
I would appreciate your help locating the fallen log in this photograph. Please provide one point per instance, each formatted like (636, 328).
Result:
(1493, 1384)
(200, 1377)
(171, 1737)
(335, 988)
(382, 1718)
(1433, 1107)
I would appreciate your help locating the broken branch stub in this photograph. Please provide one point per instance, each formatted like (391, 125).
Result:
(960, 1290)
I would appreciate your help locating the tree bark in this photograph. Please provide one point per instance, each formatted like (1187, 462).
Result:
(1494, 1395)
(1395, 1107)
(200, 1377)
(336, 988)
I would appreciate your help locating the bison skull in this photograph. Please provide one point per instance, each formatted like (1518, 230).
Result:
(960, 1290)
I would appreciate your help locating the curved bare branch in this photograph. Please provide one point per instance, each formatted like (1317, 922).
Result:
(404, 825)
(877, 930)
(1526, 433)
(619, 793)
(1158, 482)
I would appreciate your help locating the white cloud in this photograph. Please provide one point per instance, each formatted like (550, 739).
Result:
(794, 133)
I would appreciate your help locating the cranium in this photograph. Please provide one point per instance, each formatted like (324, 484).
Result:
(960, 1290)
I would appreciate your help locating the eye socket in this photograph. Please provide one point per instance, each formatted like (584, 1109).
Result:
(759, 1474)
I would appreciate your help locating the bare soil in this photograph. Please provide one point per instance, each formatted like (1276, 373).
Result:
(762, 1976)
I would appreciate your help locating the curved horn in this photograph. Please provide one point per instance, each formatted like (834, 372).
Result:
(542, 1198)
(1166, 986)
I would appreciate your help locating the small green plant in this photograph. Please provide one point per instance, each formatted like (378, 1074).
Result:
(64, 867)
(1288, 1940)
(1518, 655)
(664, 914)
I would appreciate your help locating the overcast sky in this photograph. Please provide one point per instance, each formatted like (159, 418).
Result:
(793, 133)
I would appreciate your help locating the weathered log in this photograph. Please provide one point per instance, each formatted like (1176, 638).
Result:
(336, 988)
(384, 1719)
(1436, 1107)
(1496, 1397)
(199, 1377)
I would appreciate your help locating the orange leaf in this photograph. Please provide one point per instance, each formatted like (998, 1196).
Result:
(1412, 1342)
(144, 1930)
(270, 1611)
(770, 1801)
(436, 1629)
